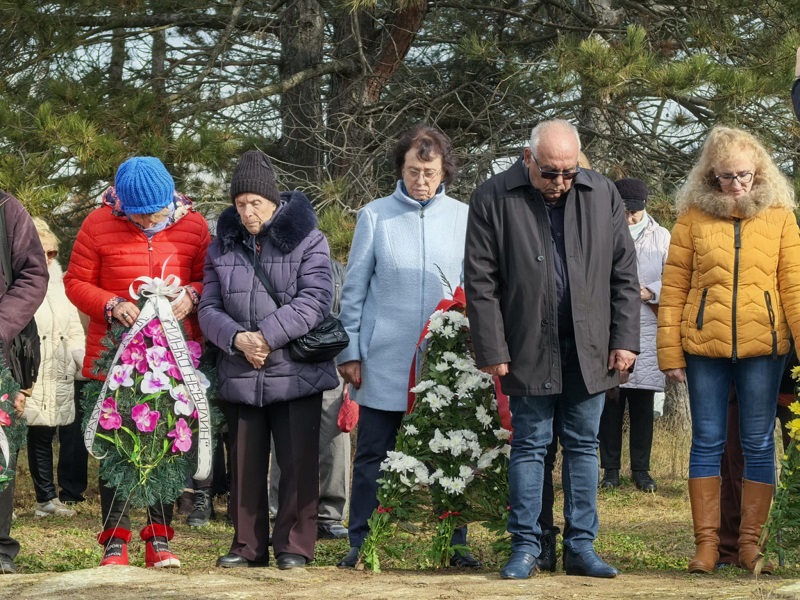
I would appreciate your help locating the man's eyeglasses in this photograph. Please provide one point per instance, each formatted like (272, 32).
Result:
(427, 174)
(567, 175)
(745, 177)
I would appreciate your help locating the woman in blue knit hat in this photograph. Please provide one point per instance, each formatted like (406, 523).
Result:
(143, 228)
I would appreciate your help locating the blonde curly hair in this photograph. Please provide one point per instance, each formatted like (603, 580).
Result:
(722, 144)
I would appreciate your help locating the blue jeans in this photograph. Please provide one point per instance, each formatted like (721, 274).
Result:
(757, 381)
(579, 420)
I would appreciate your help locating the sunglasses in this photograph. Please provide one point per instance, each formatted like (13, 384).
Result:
(567, 175)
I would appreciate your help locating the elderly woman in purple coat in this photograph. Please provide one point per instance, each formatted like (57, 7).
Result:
(264, 391)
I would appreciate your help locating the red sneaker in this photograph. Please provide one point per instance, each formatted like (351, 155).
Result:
(157, 553)
(116, 546)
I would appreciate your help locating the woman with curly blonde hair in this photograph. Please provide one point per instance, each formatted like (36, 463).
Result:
(730, 304)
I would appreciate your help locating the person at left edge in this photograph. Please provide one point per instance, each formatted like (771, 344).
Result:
(141, 226)
(18, 304)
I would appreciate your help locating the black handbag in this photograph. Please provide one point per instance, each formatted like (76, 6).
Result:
(25, 352)
(322, 343)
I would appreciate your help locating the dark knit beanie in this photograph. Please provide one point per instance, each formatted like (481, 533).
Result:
(143, 185)
(254, 174)
(634, 193)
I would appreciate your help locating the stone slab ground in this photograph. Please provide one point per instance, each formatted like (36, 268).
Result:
(329, 583)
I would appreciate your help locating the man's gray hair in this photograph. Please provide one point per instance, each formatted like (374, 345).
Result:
(545, 126)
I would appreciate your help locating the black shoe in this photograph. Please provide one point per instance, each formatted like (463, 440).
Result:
(465, 560)
(7, 565)
(610, 479)
(286, 560)
(546, 561)
(643, 481)
(331, 531)
(521, 565)
(203, 509)
(349, 561)
(587, 564)
(232, 560)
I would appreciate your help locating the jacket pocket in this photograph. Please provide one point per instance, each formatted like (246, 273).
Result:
(702, 309)
(771, 313)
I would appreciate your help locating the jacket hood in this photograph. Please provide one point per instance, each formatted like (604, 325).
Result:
(724, 206)
(291, 224)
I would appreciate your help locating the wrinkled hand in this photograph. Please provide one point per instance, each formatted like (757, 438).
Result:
(126, 313)
(19, 403)
(351, 372)
(182, 308)
(499, 370)
(645, 294)
(254, 346)
(620, 360)
(678, 375)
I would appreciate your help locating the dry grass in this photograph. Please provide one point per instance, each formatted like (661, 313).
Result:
(639, 533)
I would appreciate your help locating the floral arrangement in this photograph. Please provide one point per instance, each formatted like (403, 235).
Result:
(782, 530)
(151, 414)
(450, 463)
(13, 429)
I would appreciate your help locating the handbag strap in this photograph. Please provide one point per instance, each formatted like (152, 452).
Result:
(262, 277)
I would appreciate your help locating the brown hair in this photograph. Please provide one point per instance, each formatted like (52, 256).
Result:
(428, 142)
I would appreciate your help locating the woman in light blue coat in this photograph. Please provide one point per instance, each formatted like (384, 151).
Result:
(402, 246)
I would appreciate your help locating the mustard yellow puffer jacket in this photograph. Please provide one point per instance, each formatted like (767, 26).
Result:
(731, 285)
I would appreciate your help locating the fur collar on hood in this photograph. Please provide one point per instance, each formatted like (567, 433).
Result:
(714, 202)
(291, 224)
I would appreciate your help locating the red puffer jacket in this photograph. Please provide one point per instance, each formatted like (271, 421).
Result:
(110, 252)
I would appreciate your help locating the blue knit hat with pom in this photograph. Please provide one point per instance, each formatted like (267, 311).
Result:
(143, 185)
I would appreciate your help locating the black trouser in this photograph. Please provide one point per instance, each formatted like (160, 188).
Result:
(640, 409)
(8, 545)
(294, 426)
(116, 510)
(73, 457)
(40, 461)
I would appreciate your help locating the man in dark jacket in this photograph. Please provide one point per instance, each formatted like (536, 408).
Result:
(18, 303)
(553, 303)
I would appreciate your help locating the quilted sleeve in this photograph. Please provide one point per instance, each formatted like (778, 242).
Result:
(675, 285)
(788, 269)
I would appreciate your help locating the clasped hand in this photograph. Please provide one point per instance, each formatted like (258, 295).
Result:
(254, 346)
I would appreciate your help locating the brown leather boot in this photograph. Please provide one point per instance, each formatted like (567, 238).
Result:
(756, 500)
(704, 496)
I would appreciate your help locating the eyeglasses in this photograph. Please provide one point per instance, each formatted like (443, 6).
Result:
(51, 253)
(567, 175)
(742, 178)
(427, 174)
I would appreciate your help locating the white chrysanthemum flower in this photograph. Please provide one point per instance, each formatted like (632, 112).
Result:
(448, 332)
(483, 416)
(453, 485)
(444, 392)
(423, 386)
(450, 357)
(411, 429)
(441, 367)
(463, 364)
(421, 473)
(506, 450)
(436, 321)
(502, 434)
(437, 444)
(487, 458)
(435, 476)
(466, 473)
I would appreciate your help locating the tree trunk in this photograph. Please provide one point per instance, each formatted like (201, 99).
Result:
(301, 35)
(117, 62)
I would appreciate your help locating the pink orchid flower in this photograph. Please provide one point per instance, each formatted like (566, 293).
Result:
(155, 331)
(109, 417)
(4, 397)
(155, 381)
(182, 436)
(195, 351)
(136, 355)
(4, 418)
(145, 419)
(136, 340)
(184, 405)
(157, 358)
(120, 376)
